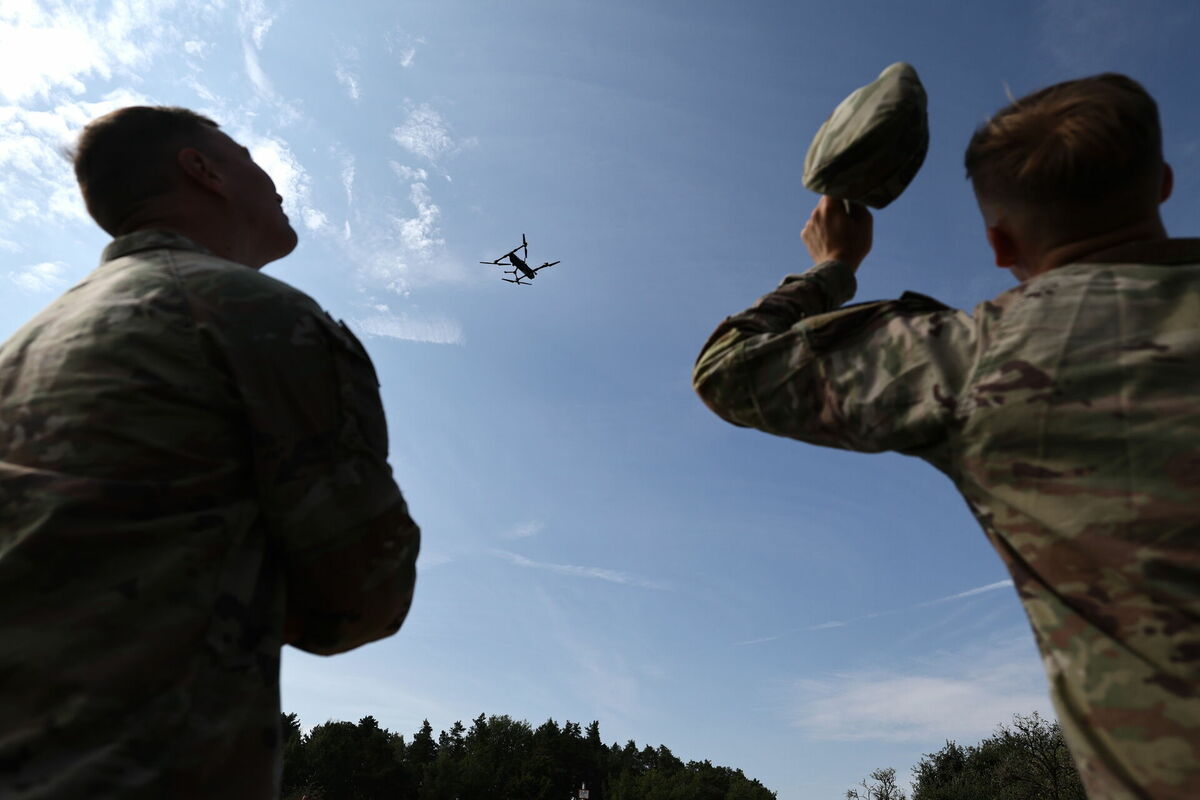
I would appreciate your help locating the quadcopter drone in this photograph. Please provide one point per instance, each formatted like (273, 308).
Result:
(520, 269)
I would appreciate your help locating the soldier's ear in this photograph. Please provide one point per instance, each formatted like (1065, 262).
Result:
(200, 169)
(1168, 183)
(1003, 246)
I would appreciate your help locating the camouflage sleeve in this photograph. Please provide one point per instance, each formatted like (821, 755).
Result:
(868, 377)
(319, 442)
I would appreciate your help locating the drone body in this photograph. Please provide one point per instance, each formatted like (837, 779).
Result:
(520, 267)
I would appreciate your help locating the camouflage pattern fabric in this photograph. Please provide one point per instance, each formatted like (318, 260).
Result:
(871, 147)
(1066, 412)
(193, 470)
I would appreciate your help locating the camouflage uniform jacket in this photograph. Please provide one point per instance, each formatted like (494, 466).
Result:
(192, 473)
(1066, 412)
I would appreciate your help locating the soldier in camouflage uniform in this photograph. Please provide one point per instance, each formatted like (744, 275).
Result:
(1065, 410)
(193, 473)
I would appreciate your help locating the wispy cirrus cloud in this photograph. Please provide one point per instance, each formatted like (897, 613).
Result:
(403, 46)
(956, 695)
(595, 573)
(839, 623)
(255, 21)
(348, 174)
(409, 326)
(990, 587)
(345, 69)
(524, 530)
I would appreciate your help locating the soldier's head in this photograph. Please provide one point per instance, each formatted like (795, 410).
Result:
(1070, 162)
(148, 166)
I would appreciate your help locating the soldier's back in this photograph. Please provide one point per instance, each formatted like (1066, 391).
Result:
(140, 605)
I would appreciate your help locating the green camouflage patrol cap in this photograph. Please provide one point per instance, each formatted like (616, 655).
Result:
(872, 145)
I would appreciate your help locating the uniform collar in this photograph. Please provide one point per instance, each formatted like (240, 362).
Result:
(151, 239)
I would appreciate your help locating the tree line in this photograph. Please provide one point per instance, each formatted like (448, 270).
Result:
(1027, 760)
(496, 758)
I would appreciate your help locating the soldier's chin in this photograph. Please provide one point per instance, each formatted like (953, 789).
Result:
(288, 240)
(285, 242)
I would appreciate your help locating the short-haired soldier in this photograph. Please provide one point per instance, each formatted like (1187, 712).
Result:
(193, 473)
(1066, 410)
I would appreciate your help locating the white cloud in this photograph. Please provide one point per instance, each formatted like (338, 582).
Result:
(314, 219)
(348, 80)
(406, 173)
(962, 695)
(424, 133)
(48, 276)
(419, 233)
(256, 21)
(434, 330)
(195, 47)
(36, 176)
(397, 252)
(597, 573)
(404, 46)
(348, 174)
(347, 76)
(291, 178)
(55, 45)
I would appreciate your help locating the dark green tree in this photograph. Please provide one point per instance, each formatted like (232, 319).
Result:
(423, 749)
(497, 757)
(1028, 760)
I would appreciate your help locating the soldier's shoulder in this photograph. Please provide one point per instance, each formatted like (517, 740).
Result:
(212, 282)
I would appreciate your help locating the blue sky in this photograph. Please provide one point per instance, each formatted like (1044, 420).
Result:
(597, 545)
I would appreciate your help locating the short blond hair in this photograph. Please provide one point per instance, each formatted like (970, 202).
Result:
(1082, 143)
(124, 159)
